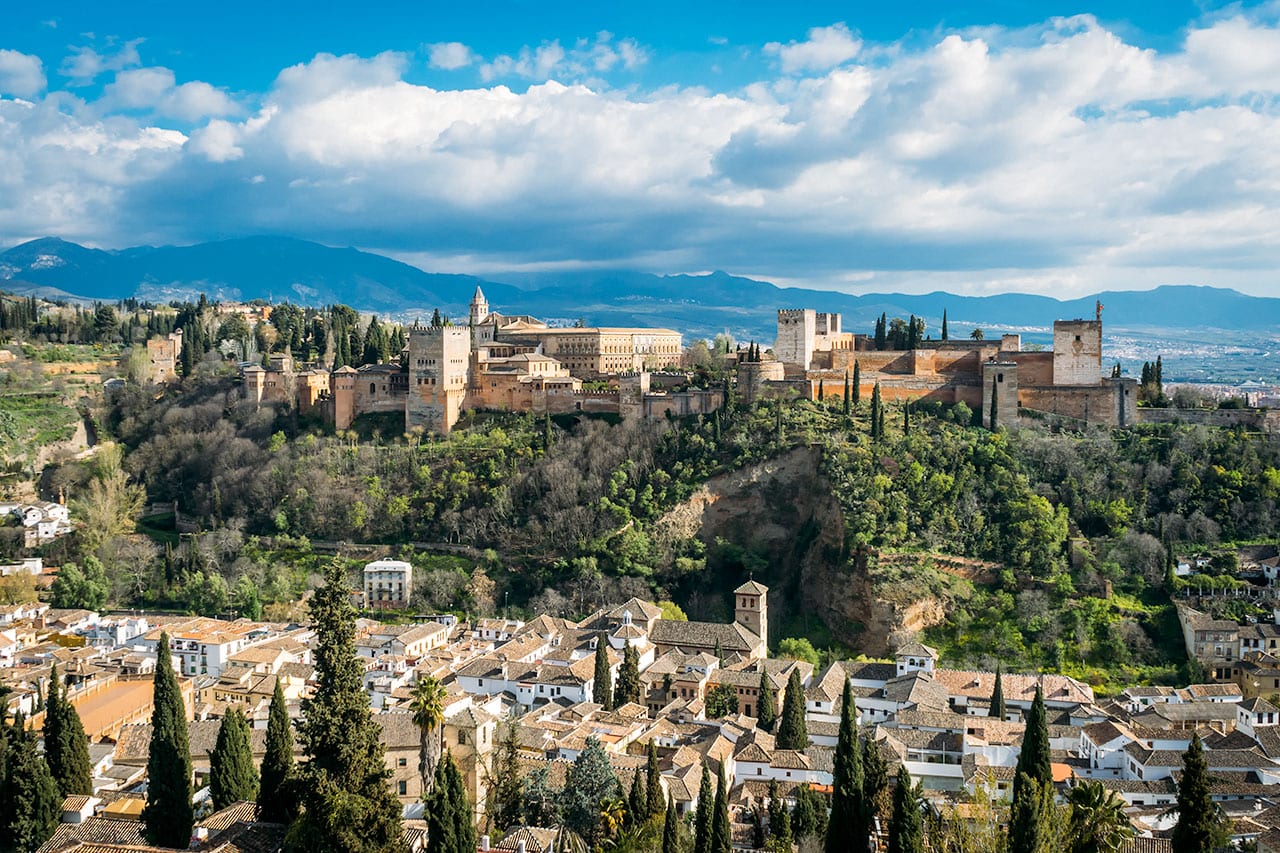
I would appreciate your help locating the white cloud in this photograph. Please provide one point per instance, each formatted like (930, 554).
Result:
(825, 48)
(588, 57)
(156, 89)
(85, 64)
(449, 55)
(20, 74)
(1059, 158)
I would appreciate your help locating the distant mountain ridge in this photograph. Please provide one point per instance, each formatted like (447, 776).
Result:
(300, 271)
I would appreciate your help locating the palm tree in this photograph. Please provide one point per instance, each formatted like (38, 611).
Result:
(1098, 823)
(613, 813)
(428, 714)
(977, 334)
(568, 841)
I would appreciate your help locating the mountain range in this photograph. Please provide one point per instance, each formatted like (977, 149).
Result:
(279, 268)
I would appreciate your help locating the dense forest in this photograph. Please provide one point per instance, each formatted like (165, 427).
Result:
(1082, 524)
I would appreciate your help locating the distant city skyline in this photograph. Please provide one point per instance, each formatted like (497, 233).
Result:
(984, 148)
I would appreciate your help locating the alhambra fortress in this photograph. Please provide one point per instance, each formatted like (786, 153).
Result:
(517, 363)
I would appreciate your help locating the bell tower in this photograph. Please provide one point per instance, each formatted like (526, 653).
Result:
(479, 308)
(751, 610)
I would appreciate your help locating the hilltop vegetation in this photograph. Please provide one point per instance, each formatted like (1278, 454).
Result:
(1072, 530)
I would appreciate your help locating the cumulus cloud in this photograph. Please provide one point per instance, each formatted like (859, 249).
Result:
(825, 48)
(449, 55)
(1060, 158)
(85, 64)
(20, 74)
(157, 90)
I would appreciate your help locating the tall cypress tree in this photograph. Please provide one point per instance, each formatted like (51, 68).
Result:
(66, 748)
(275, 793)
(847, 827)
(670, 831)
(637, 801)
(847, 403)
(1201, 825)
(347, 802)
(1033, 758)
(875, 780)
(702, 816)
(460, 807)
(1029, 829)
(876, 420)
(995, 400)
(792, 731)
(857, 382)
(30, 804)
(653, 782)
(766, 713)
(628, 687)
(906, 829)
(944, 324)
(168, 816)
(721, 831)
(602, 685)
(997, 696)
(232, 776)
(779, 818)
(442, 817)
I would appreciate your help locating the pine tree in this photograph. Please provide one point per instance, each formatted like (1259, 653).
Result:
(846, 829)
(347, 802)
(168, 816)
(857, 383)
(792, 732)
(766, 713)
(275, 793)
(906, 830)
(1033, 758)
(998, 710)
(653, 782)
(232, 776)
(944, 324)
(66, 749)
(721, 831)
(30, 805)
(628, 687)
(702, 815)
(670, 830)
(602, 685)
(1201, 826)
(589, 782)
(637, 801)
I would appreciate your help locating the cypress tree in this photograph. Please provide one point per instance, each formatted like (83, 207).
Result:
(847, 827)
(857, 383)
(232, 776)
(702, 816)
(653, 782)
(875, 412)
(995, 399)
(1201, 825)
(168, 816)
(602, 685)
(721, 832)
(670, 832)
(792, 732)
(1033, 758)
(944, 324)
(1029, 829)
(906, 418)
(846, 403)
(467, 840)
(442, 816)
(66, 749)
(275, 793)
(779, 818)
(997, 696)
(821, 390)
(506, 791)
(30, 805)
(628, 687)
(906, 830)
(875, 779)
(347, 801)
(637, 801)
(766, 713)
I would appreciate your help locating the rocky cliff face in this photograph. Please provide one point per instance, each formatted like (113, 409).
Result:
(784, 510)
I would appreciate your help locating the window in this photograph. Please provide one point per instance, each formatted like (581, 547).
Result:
(403, 788)
(402, 762)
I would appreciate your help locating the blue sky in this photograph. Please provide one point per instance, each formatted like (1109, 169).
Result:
(975, 147)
